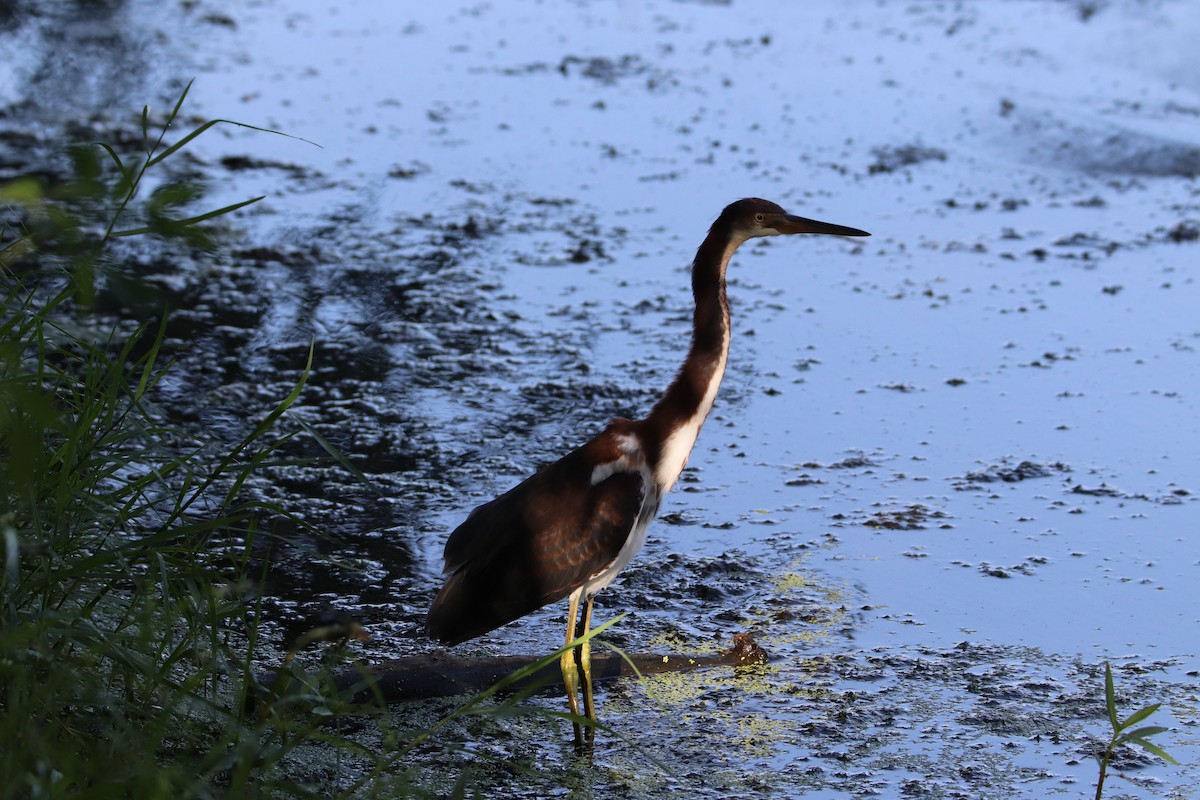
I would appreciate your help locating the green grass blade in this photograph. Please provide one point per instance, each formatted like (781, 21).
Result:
(339, 457)
(179, 103)
(113, 155)
(1142, 733)
(1110, 697)
(150, 360)
(625, 657)
(1139, 715)
(1155, 749)
(179, 145)
(184, 223)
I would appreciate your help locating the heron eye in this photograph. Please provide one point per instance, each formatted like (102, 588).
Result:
(759, 217)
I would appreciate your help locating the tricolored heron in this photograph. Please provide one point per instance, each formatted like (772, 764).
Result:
(568, 530)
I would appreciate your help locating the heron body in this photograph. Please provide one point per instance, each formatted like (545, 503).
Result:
(568, 530)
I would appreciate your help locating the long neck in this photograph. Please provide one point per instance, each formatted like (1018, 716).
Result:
(674, 422)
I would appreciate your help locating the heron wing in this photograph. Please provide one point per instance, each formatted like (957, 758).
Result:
(533, 545)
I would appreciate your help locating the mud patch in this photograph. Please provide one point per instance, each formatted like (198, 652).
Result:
(910, 518)
(1007, 473)
(895, 157)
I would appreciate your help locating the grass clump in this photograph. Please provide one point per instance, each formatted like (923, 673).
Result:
(127, 634)
(115, 621)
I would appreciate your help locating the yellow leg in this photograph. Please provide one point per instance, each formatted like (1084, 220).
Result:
(570, 671)
(585, 664)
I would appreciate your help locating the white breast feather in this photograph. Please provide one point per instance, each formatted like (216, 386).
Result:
(632, 459)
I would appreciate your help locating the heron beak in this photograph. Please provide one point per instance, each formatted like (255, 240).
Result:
(788, 223)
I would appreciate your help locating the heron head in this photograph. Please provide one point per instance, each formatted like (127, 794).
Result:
(753, 217)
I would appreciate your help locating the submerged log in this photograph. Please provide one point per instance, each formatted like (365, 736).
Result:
(444, 675)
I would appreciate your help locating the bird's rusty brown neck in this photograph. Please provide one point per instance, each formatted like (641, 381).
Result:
(673, 424)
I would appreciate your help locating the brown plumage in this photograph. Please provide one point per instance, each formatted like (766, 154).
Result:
(536, 543)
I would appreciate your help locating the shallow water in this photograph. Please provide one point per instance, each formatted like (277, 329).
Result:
(952, 468)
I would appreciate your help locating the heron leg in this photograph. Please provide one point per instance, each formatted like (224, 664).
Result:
(570, 670)
(585, 664)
